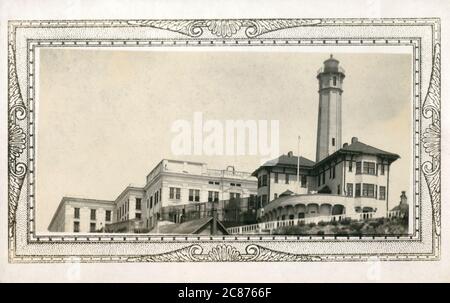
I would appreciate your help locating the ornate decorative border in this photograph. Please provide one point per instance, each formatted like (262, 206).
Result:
(16, 141)
(224, 253)
(225, 28)
(249, 28)
(431, 138)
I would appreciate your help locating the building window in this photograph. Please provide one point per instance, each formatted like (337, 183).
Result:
(259, 181)
(349, 189)
(197, 195)
(368, 190)
(330, 173)
(275, 177)
(76, 227)
(138, 203)
(339, 189)
(194, 195)
(287, 178)
(264, 180)
(275, 196)
(382, 193)
(108, 215)
(252, 201)
(213, 196)
(76, 213)
(358, 167)
(334, 81)
(357, 190)
(264, 200)
(323, 178)
(369, 168)
(303, 181)
(92, 227)
(235, 195)
(138, 216)
(381, 169)
(318, 180)
(174, 193)
(93, 214)
(333, 141)
(350, 165)
(333, 171)
(150, 205)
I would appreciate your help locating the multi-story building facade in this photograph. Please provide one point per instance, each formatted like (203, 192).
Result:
(82, 215)
(169, 185)
(343, 180)
(173, 183)
(279, 176)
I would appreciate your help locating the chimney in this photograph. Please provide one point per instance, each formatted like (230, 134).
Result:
(345, 144)
(290, 154)
(403, 198)
(354, 139)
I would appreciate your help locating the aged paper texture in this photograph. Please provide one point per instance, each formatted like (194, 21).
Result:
(294, 138)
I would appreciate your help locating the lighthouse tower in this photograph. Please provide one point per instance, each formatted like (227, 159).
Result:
(329, 128)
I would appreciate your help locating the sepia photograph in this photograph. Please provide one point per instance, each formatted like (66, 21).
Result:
(305, 140)
(215, 142)
(216, 150)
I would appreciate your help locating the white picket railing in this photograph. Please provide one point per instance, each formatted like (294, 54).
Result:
(268, 227)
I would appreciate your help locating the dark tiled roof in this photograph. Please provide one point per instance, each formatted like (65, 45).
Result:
(285, 160)
(354, 148)
(287, 193)
(359, 147)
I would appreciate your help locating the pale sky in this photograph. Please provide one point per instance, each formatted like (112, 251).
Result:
(104, 116)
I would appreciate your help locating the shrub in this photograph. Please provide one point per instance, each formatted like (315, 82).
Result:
(312, 224)
(322, 223)
(355, 228)
(334, 223)
(335, 230)
(342, 232)
(291, 230)
(376, 223)
(346, 221)
(320, 232)
(355, 232)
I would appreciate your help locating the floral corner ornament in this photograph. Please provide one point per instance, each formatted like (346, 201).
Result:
(224, 253)
(431, 138)
(225, 28)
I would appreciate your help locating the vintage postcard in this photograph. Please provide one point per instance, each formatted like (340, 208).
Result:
(158, 140)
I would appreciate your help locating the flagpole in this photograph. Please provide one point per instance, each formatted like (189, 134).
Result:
(298, 162)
